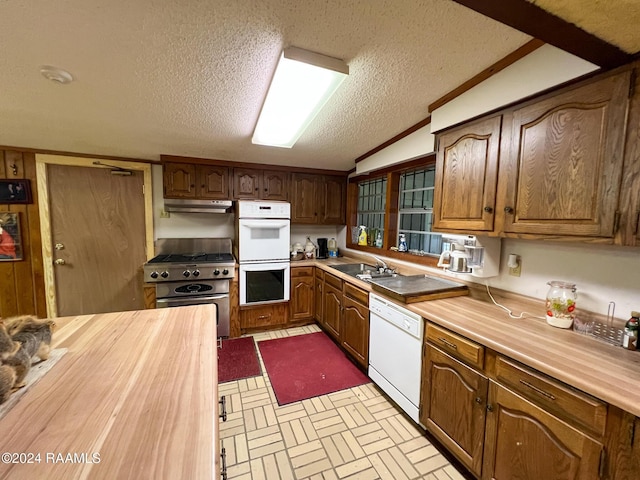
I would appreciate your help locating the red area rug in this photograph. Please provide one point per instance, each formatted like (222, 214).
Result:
(237, 359)
(305, 366)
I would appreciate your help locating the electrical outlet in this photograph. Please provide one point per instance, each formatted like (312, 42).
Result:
(164, 214)
(515, 271)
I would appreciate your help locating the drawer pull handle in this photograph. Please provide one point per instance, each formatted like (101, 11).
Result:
(263, 316)
(223, 408)
(537, 390)
(223, 460)
(447, 343)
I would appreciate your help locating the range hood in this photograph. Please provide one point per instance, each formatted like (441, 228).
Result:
(198, 206)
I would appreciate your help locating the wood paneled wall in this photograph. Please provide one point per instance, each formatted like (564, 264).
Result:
(22, 282)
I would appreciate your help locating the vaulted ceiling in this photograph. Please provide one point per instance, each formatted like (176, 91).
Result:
(189, 77)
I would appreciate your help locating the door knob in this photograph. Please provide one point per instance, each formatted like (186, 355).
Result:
(60, 261)
(59, 246)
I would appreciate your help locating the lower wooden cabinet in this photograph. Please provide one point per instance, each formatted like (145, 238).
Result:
(355, 329)
(332, 308)
(524, 441)
(622, 445)
(319, 296)
(453, 405)
(273, 315)
(301, 302)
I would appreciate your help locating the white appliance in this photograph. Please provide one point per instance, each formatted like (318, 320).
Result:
(481, 254)
(395, 352)
(263, 236)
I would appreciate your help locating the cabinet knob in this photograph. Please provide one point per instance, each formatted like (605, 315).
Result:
(508, 210)
(489, 407)
(488, 209)
(478, 400)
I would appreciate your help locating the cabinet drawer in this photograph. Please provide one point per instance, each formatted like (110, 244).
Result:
(302, 271)
(456, 345)
(333, 280)
(356, 293)
(552, 395)
(263, 316)
(319, 273)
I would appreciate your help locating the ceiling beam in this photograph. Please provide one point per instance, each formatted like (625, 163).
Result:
(534, 21)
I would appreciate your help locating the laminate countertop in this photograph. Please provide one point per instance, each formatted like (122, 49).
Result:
(607, 372)
(135, 396)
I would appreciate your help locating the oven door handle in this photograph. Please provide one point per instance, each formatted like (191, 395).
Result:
(262, 224)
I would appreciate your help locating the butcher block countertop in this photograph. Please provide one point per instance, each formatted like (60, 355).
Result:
(607, 372)
(135, 396)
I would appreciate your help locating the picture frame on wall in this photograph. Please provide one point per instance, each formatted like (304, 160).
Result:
(10, 237)
(15, 190)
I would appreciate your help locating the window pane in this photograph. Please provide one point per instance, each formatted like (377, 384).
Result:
(371, 203)
(419, 180)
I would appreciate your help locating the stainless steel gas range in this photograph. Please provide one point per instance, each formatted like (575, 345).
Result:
(193, 271)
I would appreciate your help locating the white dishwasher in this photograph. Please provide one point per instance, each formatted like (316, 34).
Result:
(395, 352)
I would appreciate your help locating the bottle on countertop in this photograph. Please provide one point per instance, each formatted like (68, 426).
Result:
(333, 248)
(402, 245)
(630, 339)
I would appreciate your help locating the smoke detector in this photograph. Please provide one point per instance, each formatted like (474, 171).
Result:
(56, 74)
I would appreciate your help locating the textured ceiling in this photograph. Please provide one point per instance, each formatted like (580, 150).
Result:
(189, 77)
(615, 22)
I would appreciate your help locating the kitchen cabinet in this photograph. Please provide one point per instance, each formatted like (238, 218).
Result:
(260, 316)
(623, 445)
(318, 296)
(332, 305)
(355, 323)
(185, 180)
(453, 405)
(302, 299)
(256, 184)
(550, 167)
(318, 199)
(149, 293)
(466, 177)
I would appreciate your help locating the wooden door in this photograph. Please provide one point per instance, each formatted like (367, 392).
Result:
(565, 162)
(454, 398)
(332, 200)
(319, 296)
(304, 207)
(525, 442)
(302, 300)
(623, 445)
(179, 180)
(355, 330)
(213, 182)
(247, 183)
(466, 177)
(275, 185)
(332, 309)
(98, 237)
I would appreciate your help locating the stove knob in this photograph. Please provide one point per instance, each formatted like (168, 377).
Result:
(164, 274)
(216, 272)
(196, 273)
(186, 273)
(225, 272)
(154, 275)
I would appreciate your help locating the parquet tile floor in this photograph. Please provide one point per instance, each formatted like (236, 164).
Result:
(355, 434)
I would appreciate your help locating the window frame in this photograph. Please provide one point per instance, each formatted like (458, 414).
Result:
(391, 216)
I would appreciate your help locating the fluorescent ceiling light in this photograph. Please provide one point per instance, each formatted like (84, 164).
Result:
(302, 84)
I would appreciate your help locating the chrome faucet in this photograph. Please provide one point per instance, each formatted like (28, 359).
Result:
(380, 264)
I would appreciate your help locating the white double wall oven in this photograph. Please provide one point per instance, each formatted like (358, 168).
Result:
(263, 235)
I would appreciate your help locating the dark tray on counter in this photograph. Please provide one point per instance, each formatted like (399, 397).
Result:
(418, 288)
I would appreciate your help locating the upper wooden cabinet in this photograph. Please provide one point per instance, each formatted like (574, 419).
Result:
(466, 177)
(552, 166)
(318, 199)
(260, 184)
(185, 180)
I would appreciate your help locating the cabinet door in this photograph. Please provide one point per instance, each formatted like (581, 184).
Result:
(179, 180)
(302, 300)
(332, 309)
(213, 182)
(246, 183)
(453, 401)
(355, 330)
(332, 200)
(304, 207)
(564, 167)
(623, 445)
(275, 185)
(523, 441)
(466, 176)
(319, 296)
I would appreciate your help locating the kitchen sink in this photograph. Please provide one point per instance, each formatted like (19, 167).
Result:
(363, 271)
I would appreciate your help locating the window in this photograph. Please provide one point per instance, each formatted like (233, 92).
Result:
(372, 199)
(415, 211)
